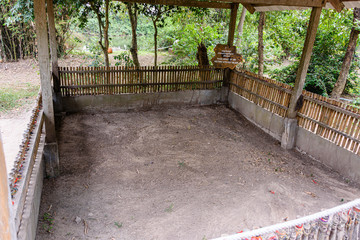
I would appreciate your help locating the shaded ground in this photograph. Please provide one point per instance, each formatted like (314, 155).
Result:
(178, 173)
(20, 78)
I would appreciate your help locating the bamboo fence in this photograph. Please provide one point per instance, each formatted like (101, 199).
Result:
(269, 94)
(328, 118)
(78, 81)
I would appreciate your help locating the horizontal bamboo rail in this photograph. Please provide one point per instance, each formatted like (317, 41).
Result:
(267, 93)
(78, 81)
(328, 118)
(332, 120)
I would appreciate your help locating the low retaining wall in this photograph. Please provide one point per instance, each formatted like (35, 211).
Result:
(345, 162)
(269, 122)
(134, 101)
(340, 159)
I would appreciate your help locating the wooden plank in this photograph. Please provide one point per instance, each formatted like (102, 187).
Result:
(53, 45)
(7, 224)
(185, 3)
(44, 63)
(305, 60)
(296, 3)
(232, 24)
(337, 4)
(249, 7)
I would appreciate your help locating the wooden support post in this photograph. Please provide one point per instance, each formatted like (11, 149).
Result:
(231, 36)
(304, 61)
(7, 227)
(51, 155)
(288, 139)
(54, 57)
(44, 62)
(232, 24)
(53, 44)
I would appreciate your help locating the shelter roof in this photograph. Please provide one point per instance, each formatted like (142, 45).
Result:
(258, 5)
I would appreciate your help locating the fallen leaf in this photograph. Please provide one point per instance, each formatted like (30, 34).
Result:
(311, 194)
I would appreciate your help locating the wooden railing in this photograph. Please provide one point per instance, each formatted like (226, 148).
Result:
(269, 94)
(77, 81)
(332, 120)
(328, 118)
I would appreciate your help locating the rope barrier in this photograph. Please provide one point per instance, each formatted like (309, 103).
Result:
(318, 219)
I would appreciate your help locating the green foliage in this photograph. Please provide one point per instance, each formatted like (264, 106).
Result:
(48, 222)
(11, 98)
(124, 59)
(328, 53)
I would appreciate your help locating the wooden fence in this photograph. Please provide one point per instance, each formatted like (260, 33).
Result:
(269, 94)
(77, 81)
(330, 119)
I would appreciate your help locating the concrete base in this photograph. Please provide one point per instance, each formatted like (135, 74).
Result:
(51, 158)
(30, 214)
(124, 102)
(57, 100)
(288, 138)
(269, 122)
(345, 162)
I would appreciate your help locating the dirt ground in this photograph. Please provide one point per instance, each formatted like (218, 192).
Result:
(178, 173)
(18, 75)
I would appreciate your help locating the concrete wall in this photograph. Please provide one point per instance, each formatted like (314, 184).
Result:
(328, 153)
(30, 215)
(345, 162)
(133, 101)
(269, 122)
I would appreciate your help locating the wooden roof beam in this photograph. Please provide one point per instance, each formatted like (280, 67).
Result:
(302, 3)
(184, 3)
(249, 7)
(337, 4)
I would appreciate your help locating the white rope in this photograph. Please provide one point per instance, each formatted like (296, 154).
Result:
(292, 223)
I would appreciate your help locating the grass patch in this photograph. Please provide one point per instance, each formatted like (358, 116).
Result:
(13, 97)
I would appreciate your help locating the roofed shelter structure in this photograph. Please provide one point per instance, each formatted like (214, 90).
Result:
(44, 21)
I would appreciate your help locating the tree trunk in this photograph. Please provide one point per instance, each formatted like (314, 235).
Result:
(344, 72)
(202, 56)
(133, 20)
(261, 42)
(2, 49)
(240, 26)
(106, 34)
(155, 42)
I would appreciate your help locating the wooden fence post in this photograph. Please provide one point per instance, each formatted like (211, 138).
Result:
(232, 26)
(54, 57)
(290, 132)
(50, 150)
(7, 227)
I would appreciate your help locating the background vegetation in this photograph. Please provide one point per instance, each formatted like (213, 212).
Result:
(181, 31)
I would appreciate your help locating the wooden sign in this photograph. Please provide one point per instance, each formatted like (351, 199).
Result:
(226, 57)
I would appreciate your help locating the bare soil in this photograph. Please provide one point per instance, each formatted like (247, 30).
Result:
(178, 173)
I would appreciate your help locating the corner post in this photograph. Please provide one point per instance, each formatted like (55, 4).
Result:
(7, 224)
(54, 57)
(51, 154)
(289, 135)
(230, 43)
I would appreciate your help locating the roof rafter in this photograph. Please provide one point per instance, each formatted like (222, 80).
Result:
(185, 3)
(337, 4)
(302, 3)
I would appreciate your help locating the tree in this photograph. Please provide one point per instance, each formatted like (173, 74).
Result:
(240, 26)
(17, 33)
(133, 16)
(344, 72)
(101, 10)
(157, 14)
(261, 43)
